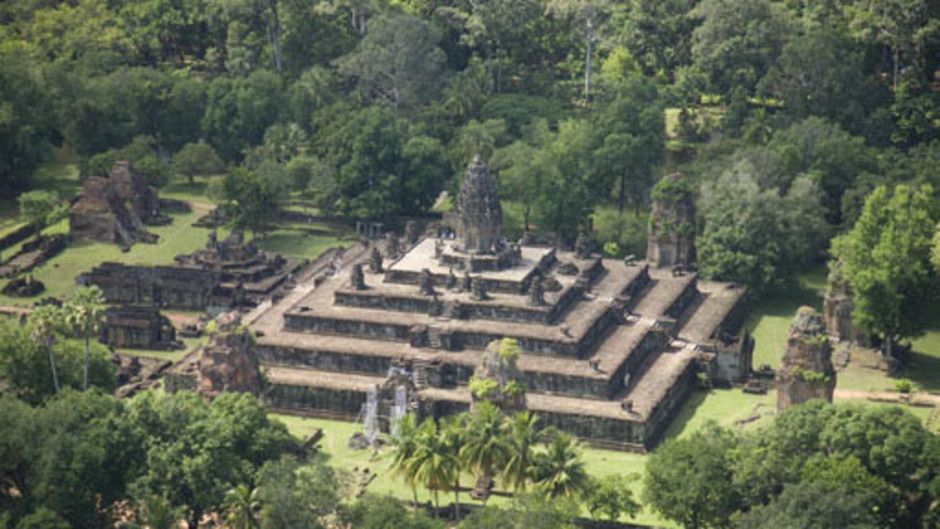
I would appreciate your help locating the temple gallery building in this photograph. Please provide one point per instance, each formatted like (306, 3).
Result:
(610, 349)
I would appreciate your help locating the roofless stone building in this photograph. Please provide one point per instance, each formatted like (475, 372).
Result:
(609, 349)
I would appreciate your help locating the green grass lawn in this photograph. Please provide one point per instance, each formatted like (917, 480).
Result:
(771, 316)
(179, 237)
(723, 405)
(173, 356)
(58, 273)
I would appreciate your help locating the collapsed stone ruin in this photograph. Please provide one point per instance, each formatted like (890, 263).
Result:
(116, 208)
(671, 237)
(608, 349)
(838, 304)
(138, 327)
(226, 363)
(806, 371)
(226, 274)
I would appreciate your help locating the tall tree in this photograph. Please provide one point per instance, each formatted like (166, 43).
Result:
(631, 137)
(241, 507)
(590, 12)
(611, 497)
(522, 436)
(405, 444)
(658, 34)
(559, 469)
(689, 480)
(737, 41)
(886, 259)
(83, 314)
(822, 73)
(434, 461)
(44, 322)
(398, 62)
(902, 26)
(484, 449)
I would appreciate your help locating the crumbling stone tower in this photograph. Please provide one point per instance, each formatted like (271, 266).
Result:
(838, 304)
(115, 208)
(479, 213)
(671, 232)
(806, 371)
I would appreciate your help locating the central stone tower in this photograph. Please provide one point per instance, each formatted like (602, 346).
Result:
(479, 214)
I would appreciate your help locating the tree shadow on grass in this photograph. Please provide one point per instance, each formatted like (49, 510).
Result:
(679, 423)
(786, 302)
(924, 370)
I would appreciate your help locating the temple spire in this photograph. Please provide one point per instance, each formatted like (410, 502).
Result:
(479, 213)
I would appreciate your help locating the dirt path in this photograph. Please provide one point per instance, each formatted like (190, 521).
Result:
(888, 396)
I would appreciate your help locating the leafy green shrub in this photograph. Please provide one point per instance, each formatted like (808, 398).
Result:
(903, 386)
(483, 387)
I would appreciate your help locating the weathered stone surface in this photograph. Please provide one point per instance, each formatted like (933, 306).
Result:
(412, 232)
(479, 213)
(357, 280)
(138, 327)
(806, 371)
(426, 283)
(838, 304)
(497, 377)
(392, 246)
(225, 274)
(671, 234)
(536, 292)
(135, 373)
(115, 208)
(33, 253)
(583, 246)
(227, 362)
(375, 261)
(478, 289)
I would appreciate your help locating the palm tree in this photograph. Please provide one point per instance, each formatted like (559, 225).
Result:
(433, 463)
(522, 435)
(83, 315)
(559, 470)
(240, 505)
(484, 449)
(156, 512)
(405, 443)
(454, 431)
(43, 322)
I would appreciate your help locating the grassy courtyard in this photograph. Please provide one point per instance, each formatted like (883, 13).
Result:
(728, 407)
(179, 237)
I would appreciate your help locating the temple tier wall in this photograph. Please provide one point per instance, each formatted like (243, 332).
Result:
(451, 373)
(607, 432)
(310, 322)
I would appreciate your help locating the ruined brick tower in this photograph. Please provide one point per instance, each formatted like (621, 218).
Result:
(671, 234)
(838, 305)
(479, 214)
(806, 371)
